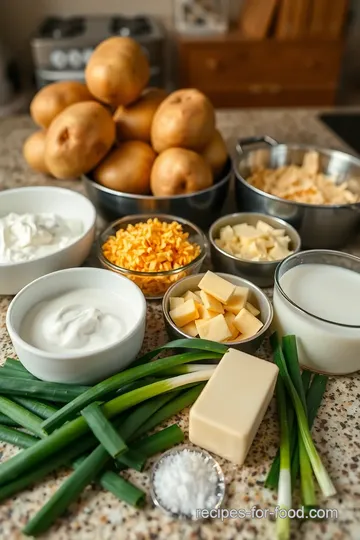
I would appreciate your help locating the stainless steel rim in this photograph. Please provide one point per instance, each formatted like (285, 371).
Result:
(300, 309)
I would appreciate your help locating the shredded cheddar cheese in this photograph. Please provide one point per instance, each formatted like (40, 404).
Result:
(151, 247)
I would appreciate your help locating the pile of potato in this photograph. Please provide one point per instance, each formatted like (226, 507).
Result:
(129, 138)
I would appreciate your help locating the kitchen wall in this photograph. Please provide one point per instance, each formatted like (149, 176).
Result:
(19, 18)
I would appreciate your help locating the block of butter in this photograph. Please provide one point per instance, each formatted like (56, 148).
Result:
(227, 414)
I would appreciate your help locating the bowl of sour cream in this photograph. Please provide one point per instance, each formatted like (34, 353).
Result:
(316, 298)
(42, 229)
(78, 325)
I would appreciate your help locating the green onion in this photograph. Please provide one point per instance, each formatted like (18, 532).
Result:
(116, 381)
(10, 372)
(320, 472)
(63, 393)
(284, 491)
(103, 430)
(122, 489)
(315, 395)
(160, 441)
(74, 429)
(15, 364)
(132, 459)
(306, 380)
(17, 438)
(196, 344)
(6, 421)
(37, 407)
(185, 368)
(21, 416)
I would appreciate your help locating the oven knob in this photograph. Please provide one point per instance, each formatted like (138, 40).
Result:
(75, 59)
(58, 59)
(86, 54)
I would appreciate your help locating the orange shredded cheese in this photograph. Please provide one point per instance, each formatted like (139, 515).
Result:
(151, 246)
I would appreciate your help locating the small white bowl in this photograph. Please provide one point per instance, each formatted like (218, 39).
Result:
(82, 367)
(67, 204)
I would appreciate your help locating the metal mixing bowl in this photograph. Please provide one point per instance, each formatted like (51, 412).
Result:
(319, 226)
(201, 207)
(259, 272)
(256, 297)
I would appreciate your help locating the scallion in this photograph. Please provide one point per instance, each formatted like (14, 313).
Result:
(284, 490)
(57, 392)
(103, 430)
(43, 410)
(17, 438)
(21, 416)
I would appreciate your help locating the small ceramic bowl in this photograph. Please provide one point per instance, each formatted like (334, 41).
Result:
(77, 367)
(257, 297)
(259, 272)
(67, 204)
(155, 284)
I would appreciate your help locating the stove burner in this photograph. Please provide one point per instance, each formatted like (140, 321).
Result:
(58, 28)
(134, 26)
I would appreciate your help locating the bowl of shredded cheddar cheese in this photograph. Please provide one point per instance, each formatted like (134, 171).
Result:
(153, 251)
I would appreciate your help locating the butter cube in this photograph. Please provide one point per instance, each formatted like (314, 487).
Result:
(277, 252)
(189, 294)
(252, 309)
(227, 414)
(211, 303)
(205, 313)
(184, 313)
(238, 300)
(217, 287)
(199, 323)
(214, 329)
(190, 329)
(229, 318)
(197, 293)
(176, 301)
(246, 323)
(264, 227)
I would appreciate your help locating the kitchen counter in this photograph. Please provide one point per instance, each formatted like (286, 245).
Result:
(98, 515)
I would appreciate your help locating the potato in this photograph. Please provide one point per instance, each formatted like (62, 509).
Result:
(34, 151)
(78, 139)
(134, 121)
(54, 98)
(184, 119)
(127, 168)
(178, 171)
(215, 153)
(117, 71)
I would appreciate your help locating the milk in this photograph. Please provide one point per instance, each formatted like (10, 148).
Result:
(331, 293)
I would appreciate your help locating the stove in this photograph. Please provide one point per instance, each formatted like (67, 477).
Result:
(62, 46)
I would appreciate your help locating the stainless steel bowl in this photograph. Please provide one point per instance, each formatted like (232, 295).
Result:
(256, 296)
(259, 272)
(319, 226)
(201, 208)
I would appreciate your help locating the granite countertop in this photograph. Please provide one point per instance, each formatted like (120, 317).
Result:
(97, 514)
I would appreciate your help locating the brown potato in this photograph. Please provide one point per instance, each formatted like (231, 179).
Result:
(78, 139)
(134, 121)
(184, 119)
(127, 168)
(117, 71)
(178, 171)
(54, 98)
(215, 153)
(34, 151)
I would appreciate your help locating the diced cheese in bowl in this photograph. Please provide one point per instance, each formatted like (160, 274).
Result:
(254, 243)
(202, 313)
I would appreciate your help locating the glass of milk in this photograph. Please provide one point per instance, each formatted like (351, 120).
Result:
(317, 298)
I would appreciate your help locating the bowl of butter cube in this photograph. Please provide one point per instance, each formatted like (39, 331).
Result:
(219, 307)
(251, 245)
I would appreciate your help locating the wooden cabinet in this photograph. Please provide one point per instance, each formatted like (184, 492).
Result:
(236, 72)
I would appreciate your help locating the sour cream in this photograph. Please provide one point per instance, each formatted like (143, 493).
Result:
(29, 236)
(82, 320)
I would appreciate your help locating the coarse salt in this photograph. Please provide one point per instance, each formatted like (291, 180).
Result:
(186, 481)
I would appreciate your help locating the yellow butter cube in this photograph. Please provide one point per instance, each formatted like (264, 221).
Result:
(189, 294)
(205, 313)
(185, 313)
(229, 318)
(190, 329)
(246, 323)
(252, 309)
(238, 300)
(214, 329)
(199, 323)
(211, 303)
(176, 301)
(217, 287)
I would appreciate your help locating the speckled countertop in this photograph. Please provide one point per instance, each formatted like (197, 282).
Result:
(98, 515)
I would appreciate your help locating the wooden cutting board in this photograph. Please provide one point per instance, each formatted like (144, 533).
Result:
(293, 19)
(256, 17)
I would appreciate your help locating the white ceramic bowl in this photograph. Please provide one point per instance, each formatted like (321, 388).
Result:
(64, 202)
(86, 367)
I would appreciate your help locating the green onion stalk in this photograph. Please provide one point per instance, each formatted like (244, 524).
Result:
(284, 490)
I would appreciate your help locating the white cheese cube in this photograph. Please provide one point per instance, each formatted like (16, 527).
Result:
(205, 313)
(227, 414)
(176, 301)
(184, 313)
(252, 309)
(246, 323)
(278, 253)
(243, 230)
(189, 294)
(264, 227)
(190, 329)
(211, 303)
(229, 318)
(217, 287)
(238, 300)
(214, 329)
(226, 234)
